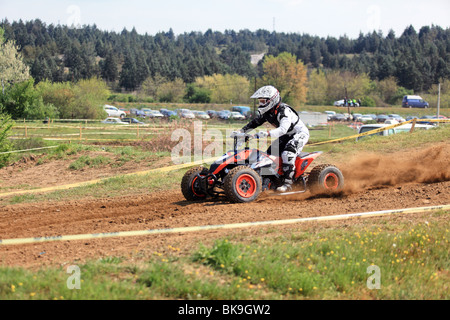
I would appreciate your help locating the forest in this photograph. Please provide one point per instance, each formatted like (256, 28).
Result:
(416, 60)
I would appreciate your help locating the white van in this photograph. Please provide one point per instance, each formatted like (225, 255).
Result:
(403, 128)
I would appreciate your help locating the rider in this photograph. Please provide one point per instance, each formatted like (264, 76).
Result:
(290, 132)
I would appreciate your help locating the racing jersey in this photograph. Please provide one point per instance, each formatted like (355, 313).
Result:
(283, 117)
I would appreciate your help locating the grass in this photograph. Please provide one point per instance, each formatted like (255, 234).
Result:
(92, 162)
(322, 263)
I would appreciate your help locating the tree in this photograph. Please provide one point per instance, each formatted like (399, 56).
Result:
(109, 68)
(172, 91)
(128, 74)
(317, 88)
(225, 88)
(12, 68)
(89, 96)
(59, 94)
(21, 100)
(151, 85)
(6, 125)
(195, 94)
(288, 75)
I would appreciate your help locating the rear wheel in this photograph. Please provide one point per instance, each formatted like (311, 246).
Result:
(325, 178)
(190, 184)
(242, 184)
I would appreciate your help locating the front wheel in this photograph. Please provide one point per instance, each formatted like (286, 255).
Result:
(242, 184)
(325, 178)
(190, 184)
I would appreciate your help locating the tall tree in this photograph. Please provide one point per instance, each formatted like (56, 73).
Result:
(288, 75)
(12, 68)
(109, 68)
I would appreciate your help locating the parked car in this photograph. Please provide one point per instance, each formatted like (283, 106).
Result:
(403, 128)
(147, 111)
(212, 113)
(237, 116)
(329, 114)
(132, 121)
(339, 103)
(201, 115)
(356, 116)
(338, 117)
(414, 102)
(167, 113)
(241, 109)
(111, 120)
(137, 113)
(185, 113)
(224, 114)
(423, 120)
(113, 111)
(381, 118)
(154, 114)
(396, 117)
(127, 112)
(365, 118)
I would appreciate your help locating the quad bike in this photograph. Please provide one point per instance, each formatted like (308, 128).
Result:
(241, 175)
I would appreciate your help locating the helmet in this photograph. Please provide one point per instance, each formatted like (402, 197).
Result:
(268, 97)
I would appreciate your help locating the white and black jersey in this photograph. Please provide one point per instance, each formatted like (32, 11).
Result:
(285, 120)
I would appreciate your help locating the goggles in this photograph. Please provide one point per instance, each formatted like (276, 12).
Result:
(263, 101)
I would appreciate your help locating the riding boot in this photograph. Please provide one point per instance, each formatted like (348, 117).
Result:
(288, 175)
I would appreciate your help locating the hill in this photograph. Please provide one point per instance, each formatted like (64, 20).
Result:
(60, 53)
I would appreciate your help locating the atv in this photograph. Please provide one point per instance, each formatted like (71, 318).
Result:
(241, 175)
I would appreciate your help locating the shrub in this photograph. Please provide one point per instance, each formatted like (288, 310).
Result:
(368, 102)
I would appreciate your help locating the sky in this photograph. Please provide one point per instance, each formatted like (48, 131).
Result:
(322, 18)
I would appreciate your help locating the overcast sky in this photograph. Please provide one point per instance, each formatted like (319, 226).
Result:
(315, 17)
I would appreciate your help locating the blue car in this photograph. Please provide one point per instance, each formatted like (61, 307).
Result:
(167, 113)
(241, 109)
(132, 121)
(414, 102)
(137, 113)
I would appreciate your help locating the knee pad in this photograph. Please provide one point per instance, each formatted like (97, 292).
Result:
(288, 158)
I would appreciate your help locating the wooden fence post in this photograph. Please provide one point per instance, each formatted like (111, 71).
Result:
(413, 125)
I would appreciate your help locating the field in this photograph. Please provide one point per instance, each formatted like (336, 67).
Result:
(309, 260)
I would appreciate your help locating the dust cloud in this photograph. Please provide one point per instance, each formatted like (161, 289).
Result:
(372, 170)
(366, 171)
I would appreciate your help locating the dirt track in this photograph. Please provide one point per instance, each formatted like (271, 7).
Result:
(373, 182)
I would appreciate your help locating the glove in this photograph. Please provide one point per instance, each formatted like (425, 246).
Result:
(235, 134)
(262, 134)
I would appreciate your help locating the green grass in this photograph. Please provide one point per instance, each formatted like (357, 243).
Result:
(328, 263)
(413, 262)
(91, 162)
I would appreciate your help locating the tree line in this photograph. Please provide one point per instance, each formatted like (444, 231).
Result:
(58, 53)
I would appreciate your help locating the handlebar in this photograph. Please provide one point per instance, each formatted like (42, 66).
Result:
(243, 135)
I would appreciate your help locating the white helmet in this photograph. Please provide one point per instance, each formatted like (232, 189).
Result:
(268, 97)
